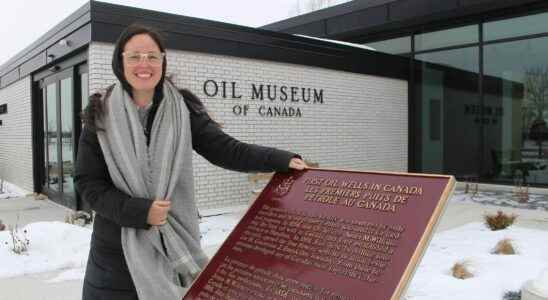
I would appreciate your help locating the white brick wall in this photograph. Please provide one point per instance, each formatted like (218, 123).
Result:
(362, 124)
(16, 135)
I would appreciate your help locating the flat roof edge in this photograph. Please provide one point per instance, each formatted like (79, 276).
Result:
(42, 42)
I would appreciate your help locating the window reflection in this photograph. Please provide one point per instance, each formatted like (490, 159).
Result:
(447, 38)
(465, 59)
(448, 88)
(67, 114)
(519, 148)
(393, 46)
(514, 27)
(51, 137)
(84, 77)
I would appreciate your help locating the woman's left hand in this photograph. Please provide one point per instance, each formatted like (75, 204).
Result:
(297, 164)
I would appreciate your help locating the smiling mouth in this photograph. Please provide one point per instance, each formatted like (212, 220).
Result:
(143, 75)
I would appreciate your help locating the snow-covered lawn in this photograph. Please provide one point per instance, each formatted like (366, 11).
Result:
(63, 248)
(53, 246)
(58, 246)
(493, 274)
(215, 230)
(8, 190)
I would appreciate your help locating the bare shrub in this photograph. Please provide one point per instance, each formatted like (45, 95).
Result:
(504, 247)
(19, 240)
(521, 193)
(499, 221)
(512, 295)
(461, 270)
(80, 218)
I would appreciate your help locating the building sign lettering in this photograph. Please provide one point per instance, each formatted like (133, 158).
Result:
(273, 100)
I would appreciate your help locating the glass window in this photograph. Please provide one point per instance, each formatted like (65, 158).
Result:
(508, 28)
(447, 103)
(85, 89)
(52, 159)
(516, 88)
(447, 38)
(67, 116)
(84, 85)
(392, 46)
(464, 59)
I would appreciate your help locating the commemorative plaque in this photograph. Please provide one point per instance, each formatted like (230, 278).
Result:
(327, 234)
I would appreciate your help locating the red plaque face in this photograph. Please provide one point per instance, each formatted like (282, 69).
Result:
(325, 234)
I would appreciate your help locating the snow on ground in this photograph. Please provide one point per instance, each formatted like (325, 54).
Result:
(60, 246)
(63, 248)
(214, 230)
(337, 42)
(494, 274)
(8, 190)
(53, 246)
(57, 246)
(540, 284)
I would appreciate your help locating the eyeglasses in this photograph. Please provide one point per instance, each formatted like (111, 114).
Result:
(135, 58)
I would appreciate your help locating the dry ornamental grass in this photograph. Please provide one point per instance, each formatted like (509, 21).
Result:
(499, 221)
(19, 240)
(504, 247)
(461, 270)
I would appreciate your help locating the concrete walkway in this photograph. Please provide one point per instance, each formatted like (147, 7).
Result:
(26, 210)
(36, 286)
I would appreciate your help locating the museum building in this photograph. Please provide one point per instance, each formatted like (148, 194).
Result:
(478, 88)
(339, 106)
(453, 87)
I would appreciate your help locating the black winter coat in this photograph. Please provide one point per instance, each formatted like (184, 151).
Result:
(107, 275)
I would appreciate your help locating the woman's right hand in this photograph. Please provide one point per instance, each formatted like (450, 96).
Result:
(157, 214)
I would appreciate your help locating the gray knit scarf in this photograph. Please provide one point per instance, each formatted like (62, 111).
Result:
(163, 260)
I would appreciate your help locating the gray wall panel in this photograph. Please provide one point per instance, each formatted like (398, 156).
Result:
(16, 135)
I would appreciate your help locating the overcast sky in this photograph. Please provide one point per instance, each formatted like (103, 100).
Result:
(23, 21)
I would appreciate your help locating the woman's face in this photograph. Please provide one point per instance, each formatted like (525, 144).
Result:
(142, 73)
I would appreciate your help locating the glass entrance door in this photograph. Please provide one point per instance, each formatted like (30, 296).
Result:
(51, 142)
(57, 97)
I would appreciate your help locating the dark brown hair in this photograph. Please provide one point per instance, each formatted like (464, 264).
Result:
(193, 103)
(95, 109)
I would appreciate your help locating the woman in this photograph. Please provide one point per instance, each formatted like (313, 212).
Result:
(134, 167)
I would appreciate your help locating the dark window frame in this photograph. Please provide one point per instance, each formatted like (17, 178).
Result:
(3, 109)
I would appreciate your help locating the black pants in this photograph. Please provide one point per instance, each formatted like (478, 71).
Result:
(107, 277)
